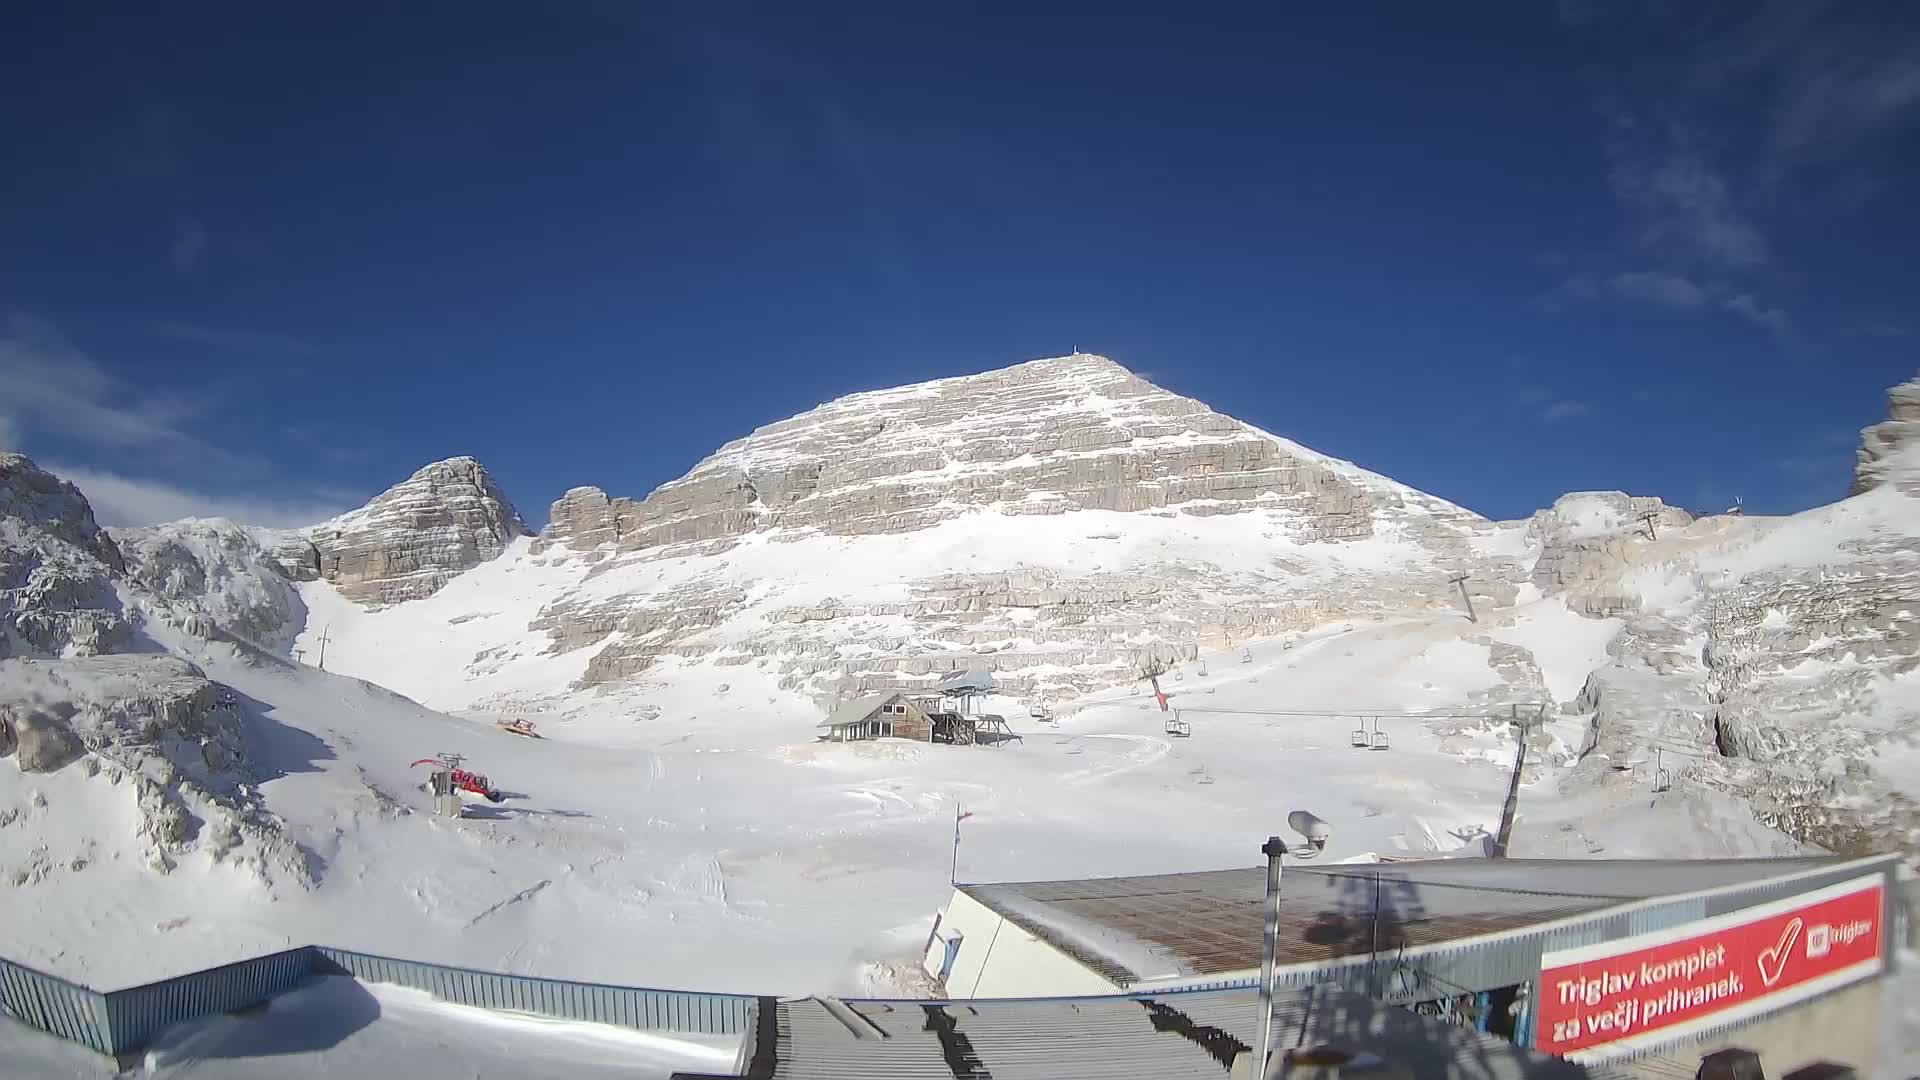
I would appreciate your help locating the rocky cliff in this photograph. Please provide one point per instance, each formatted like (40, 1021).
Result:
(1880, 442)
(56, 568)
(411, 539)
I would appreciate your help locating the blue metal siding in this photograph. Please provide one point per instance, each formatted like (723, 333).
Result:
(138, 1013)
(622, 1006)
(55, 1006)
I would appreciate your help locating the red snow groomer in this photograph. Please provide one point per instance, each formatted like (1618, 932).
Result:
(460, 779)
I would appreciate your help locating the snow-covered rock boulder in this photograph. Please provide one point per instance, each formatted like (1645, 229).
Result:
(56, 568)
(216, 569)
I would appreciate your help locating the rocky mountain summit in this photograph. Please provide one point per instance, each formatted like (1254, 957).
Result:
(1045, 437)
(410, 539)
(1043, 449)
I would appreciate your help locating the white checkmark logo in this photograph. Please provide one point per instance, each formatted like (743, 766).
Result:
(1773, 962)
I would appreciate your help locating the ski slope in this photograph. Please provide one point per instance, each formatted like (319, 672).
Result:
(754, 859)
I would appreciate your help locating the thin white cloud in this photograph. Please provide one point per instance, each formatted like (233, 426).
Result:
(1775, 320)
(9, 435)
(1880, 330)
(189, 243)
(1571, 292)
(124, 500)
(1561, 410)
(249, 342)
(1686, 206)
(48, 385)
(1659, 289)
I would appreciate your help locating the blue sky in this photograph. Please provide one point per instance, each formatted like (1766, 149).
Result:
(266, 261)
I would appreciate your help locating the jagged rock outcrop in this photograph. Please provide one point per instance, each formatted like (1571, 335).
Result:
(412, 538)
(1046, 437)
(1589, 538)
(56, 568)
(210, 576)
(1880, 442)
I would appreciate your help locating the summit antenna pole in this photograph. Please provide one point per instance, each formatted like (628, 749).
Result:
(324, 635)
(1269, 944)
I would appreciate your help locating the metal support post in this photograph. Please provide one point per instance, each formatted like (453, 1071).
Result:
(1272, 849)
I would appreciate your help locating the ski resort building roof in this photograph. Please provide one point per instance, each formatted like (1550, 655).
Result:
(1198, 929)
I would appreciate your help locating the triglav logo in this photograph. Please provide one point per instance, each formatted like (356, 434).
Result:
(1773, 962)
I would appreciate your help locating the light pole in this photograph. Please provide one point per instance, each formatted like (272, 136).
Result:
(1272, 849)
(1317, 833)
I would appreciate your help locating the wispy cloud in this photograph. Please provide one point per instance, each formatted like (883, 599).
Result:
(1773, 319)
(9, 434)
(1571, 292)
(313, 441)
(1718, 121)
(1685, 206)
(1879, 330)
(124, 500)
(262, 343)
(189, 244)
(1547, 404)
(48, 385)
(1659, 289)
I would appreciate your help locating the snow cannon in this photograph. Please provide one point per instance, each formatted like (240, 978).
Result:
(461, 779)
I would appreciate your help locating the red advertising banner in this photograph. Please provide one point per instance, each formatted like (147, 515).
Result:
(1648, 988)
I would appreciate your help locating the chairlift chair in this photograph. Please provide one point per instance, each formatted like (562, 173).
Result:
(1246, 656)
(1361, 738)
(1379, 739)
(1179, 728)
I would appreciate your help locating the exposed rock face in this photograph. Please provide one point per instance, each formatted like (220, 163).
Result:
(216, 571)
(1879, 442)
(123, 706)
(412, 538)
(1047, 437)
(971, 458)
(56, 568)
(1590, 537)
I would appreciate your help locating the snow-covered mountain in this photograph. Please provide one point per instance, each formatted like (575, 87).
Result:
(185, 777)
(1058, 523)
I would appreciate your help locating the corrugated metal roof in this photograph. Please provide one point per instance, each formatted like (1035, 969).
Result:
(858, 709)
(1210, 923)
(1172, 1036)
